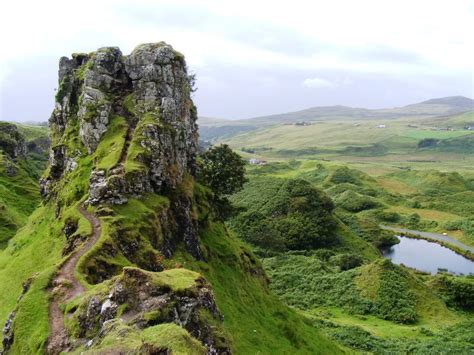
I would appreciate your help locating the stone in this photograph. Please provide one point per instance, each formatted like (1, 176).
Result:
(108, 310)
(13, 142)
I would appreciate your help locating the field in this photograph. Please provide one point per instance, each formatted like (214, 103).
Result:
(374, 145)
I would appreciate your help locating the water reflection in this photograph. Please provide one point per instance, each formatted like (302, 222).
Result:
(428, 256)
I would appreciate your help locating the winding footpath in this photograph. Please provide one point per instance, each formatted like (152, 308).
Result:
(58, 339)
(431, 236)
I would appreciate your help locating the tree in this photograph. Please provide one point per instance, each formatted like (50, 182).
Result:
(223, 171)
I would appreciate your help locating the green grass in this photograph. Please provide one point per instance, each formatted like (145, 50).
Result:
(369, 334)
(109, 150)
(135, 150)
(376, 297)
(126, 339)
(421, 134)
(361, 144)
(34, 252)
(444, 200)
(32, 132)
(19, 196)
(256, 319)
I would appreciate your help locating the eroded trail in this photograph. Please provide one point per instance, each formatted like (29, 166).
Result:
(66, 286)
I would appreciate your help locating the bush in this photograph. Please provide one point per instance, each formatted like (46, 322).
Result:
(458, 291)
(412, 220)
(343, 175)
(347, 261)
(427, 143)
(387, 216)
(465, 224)
(355, 202)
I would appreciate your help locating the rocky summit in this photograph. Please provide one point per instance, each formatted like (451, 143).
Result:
(151, 83)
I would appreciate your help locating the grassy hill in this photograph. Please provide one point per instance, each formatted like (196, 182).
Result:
(217, 128)
(19, 190)
(385, 144)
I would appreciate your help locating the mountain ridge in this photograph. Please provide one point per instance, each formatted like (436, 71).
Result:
(447, 105)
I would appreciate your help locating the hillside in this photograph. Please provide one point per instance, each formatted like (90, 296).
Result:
(341, 282)
(23, 156)
(126, 254)
(448, 106)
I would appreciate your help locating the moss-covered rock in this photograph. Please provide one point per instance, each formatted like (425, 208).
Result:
(139, 300)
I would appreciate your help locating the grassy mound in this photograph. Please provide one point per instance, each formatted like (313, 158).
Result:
(382, 289)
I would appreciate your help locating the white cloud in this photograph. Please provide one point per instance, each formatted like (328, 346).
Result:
(321, 83)
(318, 83)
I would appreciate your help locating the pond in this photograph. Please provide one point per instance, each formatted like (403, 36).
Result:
(428, 256)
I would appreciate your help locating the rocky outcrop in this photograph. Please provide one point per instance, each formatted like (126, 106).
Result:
(12, 142)
(59, 163)
(143, 299)
(151, 89)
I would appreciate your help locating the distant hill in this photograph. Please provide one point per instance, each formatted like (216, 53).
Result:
(212, 129)
(460, 102)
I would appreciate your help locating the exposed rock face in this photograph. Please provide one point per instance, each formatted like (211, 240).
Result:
(148, 300)
(151, 89)
(12, 141)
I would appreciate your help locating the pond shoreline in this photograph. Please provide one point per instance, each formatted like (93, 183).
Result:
(459, 249)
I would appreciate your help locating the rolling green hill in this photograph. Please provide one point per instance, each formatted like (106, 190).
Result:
(23, 156)
(345, 287)
(215, 129)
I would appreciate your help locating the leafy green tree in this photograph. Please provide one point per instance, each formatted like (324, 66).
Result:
(223, 170)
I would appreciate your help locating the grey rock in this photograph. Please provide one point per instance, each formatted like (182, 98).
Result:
(14, 145)
(108, 310)
(92, 90)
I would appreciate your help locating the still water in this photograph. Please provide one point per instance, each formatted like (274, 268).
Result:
(428, 256)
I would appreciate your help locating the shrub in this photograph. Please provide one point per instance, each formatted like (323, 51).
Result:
(347, 261)
(458, 291)
(355, 202)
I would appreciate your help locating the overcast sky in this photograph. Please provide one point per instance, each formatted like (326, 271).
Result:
(252, 57)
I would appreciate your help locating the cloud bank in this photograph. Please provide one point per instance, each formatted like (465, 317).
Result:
(251, 58)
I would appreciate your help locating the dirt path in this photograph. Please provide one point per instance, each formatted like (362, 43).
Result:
(58, 340)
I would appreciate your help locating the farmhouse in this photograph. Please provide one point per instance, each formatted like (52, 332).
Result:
(254, 161)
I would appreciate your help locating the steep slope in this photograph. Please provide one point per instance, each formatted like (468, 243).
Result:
(22, 159)
(145, 266)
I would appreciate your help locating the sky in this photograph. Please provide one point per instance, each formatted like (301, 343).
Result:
(251, 58)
